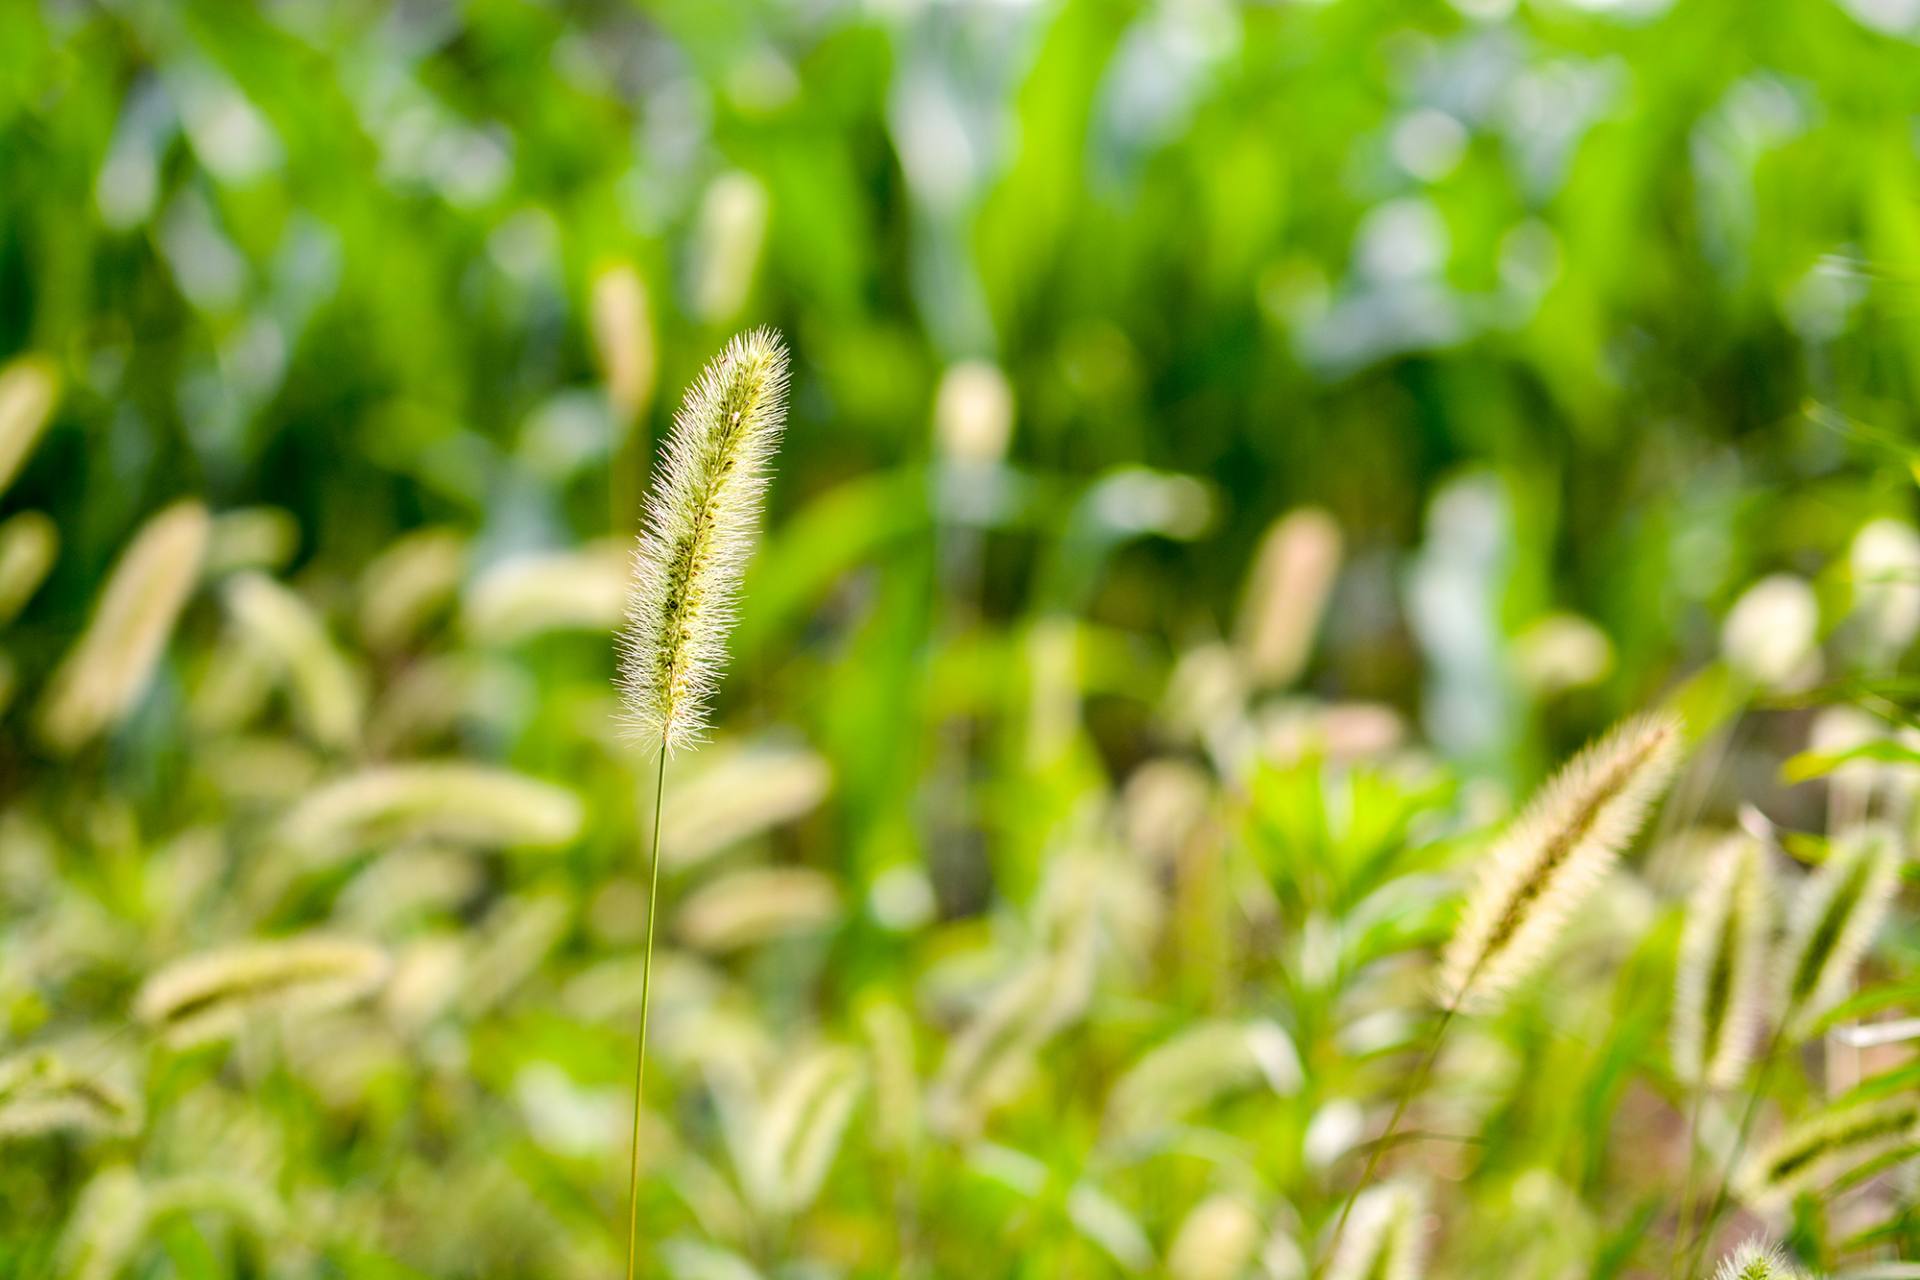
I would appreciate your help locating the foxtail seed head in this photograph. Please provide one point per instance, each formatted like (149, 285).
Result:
(1834, 918)
(208, 996)
(1754, 1261)
(698, 533)
(108, 668)
(1720, 985)
(1552, 857)
(1813, 1152)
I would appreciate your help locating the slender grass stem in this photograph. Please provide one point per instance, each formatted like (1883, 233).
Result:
(1414, 1085)
(1724, 1191)
(646, 1000)
(1683, 1226)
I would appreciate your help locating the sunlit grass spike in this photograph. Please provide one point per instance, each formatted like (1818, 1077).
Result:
(697, 534)
(1753, 1261)
(1552, 856)
(699, 529)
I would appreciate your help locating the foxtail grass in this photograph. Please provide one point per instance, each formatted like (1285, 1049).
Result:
(1198, 1067)
(28, 544)
(529, 595)
(1535, 877)
(757, 905)
(995, 1053)
(29, 390)
(1830, 925)
(727, 245)
(739, 793)
(1287, 595)
(209, 996)
(327, 691)
(1813, 1152)
(117, 1212)
(1754, 1261)
(407, 584)
(800, 1127)
(701, 521)
(454, 801)
(40, 1093)
(105, 1228)
(1216, 1240)
(1720, 984)
(699, 528)
(263, 539)
(108, 668)
(621, 321)
(1551, 859)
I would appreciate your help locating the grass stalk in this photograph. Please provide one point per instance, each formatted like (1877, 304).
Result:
(646, 1000)
(1414, 1085)
(1723, 1192)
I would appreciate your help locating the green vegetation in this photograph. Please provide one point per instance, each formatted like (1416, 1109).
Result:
(1236, 456)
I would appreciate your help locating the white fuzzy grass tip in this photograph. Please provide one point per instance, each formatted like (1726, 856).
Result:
(699, 530)
(1552, 856)
(1755, 1261)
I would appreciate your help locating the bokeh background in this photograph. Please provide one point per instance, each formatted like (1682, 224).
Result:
(1189, 398)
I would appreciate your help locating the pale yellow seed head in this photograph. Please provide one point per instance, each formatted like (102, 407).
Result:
(700, 525)
(106, 671)
(1287, 594)
(1552, 856)
(29, 389)
(623, 340)
(28, 544)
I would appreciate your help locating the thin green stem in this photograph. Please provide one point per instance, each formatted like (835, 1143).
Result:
(1724, 1191)
(646, 1000)
(1414, 1086)
(1683, 1228)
